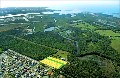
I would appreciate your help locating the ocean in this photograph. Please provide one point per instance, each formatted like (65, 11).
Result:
(113, 9)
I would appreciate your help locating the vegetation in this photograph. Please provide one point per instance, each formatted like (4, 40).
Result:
(88, 41)
(107, 33)
(116, 43)
(61, 54)
(0, 50)
(85, 26)
(90, 67)
(10, 26)
(51, 39)
(8, 75)
(27, 48)
(115, 38)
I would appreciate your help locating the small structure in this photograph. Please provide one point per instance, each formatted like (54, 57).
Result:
(29, 31)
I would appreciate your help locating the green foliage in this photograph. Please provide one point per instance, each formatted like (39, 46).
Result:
(115, 43)
(107, 33)
(10, 27)
(61, 54)
(83, 68)
(51, 39)
(24, 47)
(8, 75)
(113, 36)
(92, 35)
(84, 26)
(1, 51)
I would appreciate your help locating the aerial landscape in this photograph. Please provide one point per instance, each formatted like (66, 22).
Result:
(61, 41)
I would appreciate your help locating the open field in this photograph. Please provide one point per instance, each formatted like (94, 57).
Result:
(84, 26)
(9, 27)
(107, 33)
(53, 62)
(0, 50)
(61, 54)
(116, 43)
(57, 60)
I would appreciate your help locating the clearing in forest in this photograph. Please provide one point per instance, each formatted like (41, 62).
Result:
(107, 33)
(84, 26)
(10, 26)
(115, 38)
(115, 43)
(53, 62)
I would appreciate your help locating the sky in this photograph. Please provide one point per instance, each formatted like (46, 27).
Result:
(96, 6)
(53, 3)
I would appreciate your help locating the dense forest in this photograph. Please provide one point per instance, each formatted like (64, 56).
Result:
(25, 47)
(86, 68)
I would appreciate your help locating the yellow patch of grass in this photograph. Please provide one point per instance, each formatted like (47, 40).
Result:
(53, 62)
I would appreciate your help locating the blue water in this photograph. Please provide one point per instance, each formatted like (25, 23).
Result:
(106, 9)
(95, 6)
(49, 29)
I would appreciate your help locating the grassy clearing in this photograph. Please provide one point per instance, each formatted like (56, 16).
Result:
(107, 33)
(9, 27)
(116, 43)
(0, 50)
(61, 54)
(53, 62)
(85, 26)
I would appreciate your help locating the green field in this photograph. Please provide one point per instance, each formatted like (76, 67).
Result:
(107, 33)
(9, 27)
(115, 41)
(61, 54)
(0, 50)
(85, 26)
(53, 62)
